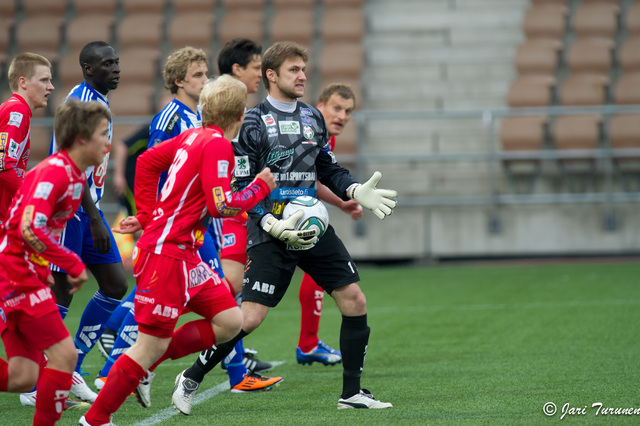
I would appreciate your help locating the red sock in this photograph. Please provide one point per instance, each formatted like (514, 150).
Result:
(192, 337)
(311, 295)
(42, 364)
(53, 390)
(4, 375)
(124, 378)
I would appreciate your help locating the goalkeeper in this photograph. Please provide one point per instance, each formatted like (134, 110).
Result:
(291, 138)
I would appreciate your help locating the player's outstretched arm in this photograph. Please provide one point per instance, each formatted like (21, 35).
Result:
(285, 230)
(380, 201)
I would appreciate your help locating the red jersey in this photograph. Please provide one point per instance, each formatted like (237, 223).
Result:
(332, 143)
(48, 197)
(15, 144)
(200, 163)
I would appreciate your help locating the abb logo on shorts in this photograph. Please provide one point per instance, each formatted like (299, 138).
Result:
(263, 288)
(40, 296)
(166, 311)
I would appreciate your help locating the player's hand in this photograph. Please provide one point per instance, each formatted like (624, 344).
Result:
(268, 177)
(128, 225)
(353, 209)
(101, 236)
(285, 231)
(77, 282)
(50, 280)
(380, 201)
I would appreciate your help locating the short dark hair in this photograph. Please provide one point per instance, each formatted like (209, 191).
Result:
(238, 51)
(89, 53)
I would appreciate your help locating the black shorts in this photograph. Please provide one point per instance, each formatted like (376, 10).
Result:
(270, 267)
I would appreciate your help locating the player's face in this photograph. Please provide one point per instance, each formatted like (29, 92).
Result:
(337, 113)
(290, 80)
(251, 75)
(195, 80)
(105, 72)
(98, 145)
(39, 87)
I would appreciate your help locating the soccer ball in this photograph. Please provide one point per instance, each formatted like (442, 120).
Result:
(315, 215)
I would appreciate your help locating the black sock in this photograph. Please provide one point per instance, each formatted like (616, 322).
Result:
(354, 337)
(208, 359)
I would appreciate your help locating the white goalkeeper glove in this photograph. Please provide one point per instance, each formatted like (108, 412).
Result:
(380, 201)
(285, 230)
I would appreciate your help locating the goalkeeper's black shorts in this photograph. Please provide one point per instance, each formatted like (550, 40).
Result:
(270, 267)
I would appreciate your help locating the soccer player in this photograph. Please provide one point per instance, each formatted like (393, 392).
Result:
(29, 320)
(291, 138)
(240, 58)
(88, 234)
(170, 274)
(185, 74)
(336, 103)
(30, 82)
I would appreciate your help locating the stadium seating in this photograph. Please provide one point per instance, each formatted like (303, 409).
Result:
(624, 133)
(292, 25)
(582, 90)
(132, 99)
(590, 56)
(69, 71)
(143, 6)
(629, 55)
(140, 65)
(7, 8)
(91, 7)
(531, 91)
(537, 57)
(192, 29)
(627, 90)
(53, 9)
(87, 28)
(244, 4)
(596, 20)
(294, 4)
(141, 30)
(547, 21)
(632, 19)
(343, 25)
(186, 6)
(242, 23)
(522, 134)
(6, 27)
(40, 34)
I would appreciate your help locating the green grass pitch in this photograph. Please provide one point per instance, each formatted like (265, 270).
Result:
(450, 344)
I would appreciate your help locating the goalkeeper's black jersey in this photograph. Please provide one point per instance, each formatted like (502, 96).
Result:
(295, 147)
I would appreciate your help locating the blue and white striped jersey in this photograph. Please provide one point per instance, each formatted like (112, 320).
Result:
(95, 175)
(172, 120)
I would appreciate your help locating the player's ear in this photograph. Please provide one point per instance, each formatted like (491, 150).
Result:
(271, 75)
(235, 70)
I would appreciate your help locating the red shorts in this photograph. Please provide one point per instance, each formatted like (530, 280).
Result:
(168, 287)
(234, 245)
(29, 321)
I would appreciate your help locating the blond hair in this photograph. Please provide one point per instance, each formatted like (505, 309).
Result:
(76, 118)
(177, 66)
(222, 102)
(24, 65)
